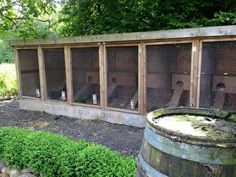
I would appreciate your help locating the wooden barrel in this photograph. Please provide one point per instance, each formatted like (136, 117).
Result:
(188, 142)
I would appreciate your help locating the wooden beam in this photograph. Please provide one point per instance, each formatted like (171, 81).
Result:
(137, 36)
(199, 73)
(141, 79)
(68, 70)
(18, 73)
(42, 75)
(102, 75)
(194, 80)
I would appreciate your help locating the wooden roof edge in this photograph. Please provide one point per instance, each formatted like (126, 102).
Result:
(215, 31)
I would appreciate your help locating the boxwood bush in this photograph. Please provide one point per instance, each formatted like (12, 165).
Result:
(52, 155)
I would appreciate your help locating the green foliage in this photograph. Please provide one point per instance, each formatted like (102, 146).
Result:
(6, 52)
(8, 83)
(101, 16)
(26, 17)
(55, 155)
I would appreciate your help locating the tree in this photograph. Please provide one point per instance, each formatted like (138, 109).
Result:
(27, 18)
(79, 17)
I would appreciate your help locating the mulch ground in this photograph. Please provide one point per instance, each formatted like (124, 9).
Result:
(124, 139)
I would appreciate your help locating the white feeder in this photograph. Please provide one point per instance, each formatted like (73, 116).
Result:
(95, 99)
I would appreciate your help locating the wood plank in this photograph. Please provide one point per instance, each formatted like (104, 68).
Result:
(228, 81)
(102, 75)
(42, 74)
(177, 93)
(122, 78)
(219, 100)
(199, 66)
(141, 79)
(184, 78)
(92, 77)
(18, 73)
(68, 70)
(194, 73)
(154, 80)
(166, 34)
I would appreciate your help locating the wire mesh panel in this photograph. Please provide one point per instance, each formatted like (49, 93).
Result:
(85, 64)
(28, 59)
(168, 75)
(55, 73)
(218, 75)
(122, 67)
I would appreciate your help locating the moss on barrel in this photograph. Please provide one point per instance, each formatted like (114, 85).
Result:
(219, 114)
(182, 142)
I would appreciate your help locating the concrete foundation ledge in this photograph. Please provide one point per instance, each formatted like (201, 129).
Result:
(83, 112)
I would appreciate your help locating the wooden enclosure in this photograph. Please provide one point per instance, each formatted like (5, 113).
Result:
(131, 73)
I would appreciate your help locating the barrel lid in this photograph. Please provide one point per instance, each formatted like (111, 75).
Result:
(195, 124)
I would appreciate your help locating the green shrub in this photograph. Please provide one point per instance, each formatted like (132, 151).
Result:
(6, 51)
(8, 82)
(56, 155)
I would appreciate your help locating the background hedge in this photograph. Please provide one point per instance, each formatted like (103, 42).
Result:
(56, 155)
(8, 83)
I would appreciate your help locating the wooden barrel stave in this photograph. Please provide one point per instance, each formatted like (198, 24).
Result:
(162, 155)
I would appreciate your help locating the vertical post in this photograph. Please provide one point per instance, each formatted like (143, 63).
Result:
(42, 75)
(141, 78)
(18, 73)
(68, 70)
(102, 77)
(199, 73)
(194, 82)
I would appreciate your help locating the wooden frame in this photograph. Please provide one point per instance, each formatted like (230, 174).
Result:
(176, 41)
(201, 41)
(18, 73)
(70, 71)
(202, 32)
(195, 36)
(106, 77)
(43, 70)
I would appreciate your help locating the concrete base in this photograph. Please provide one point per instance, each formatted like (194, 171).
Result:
(59, 108)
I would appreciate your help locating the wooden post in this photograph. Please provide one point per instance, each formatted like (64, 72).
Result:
(141, 80)
(199, 73)
(42, 75)
(102, 77)
(68, 70)
(18, 73)
(194, 81)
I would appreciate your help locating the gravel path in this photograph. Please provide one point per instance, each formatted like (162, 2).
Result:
(125, 139)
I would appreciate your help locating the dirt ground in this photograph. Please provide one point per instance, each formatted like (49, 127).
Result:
(124, 139)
